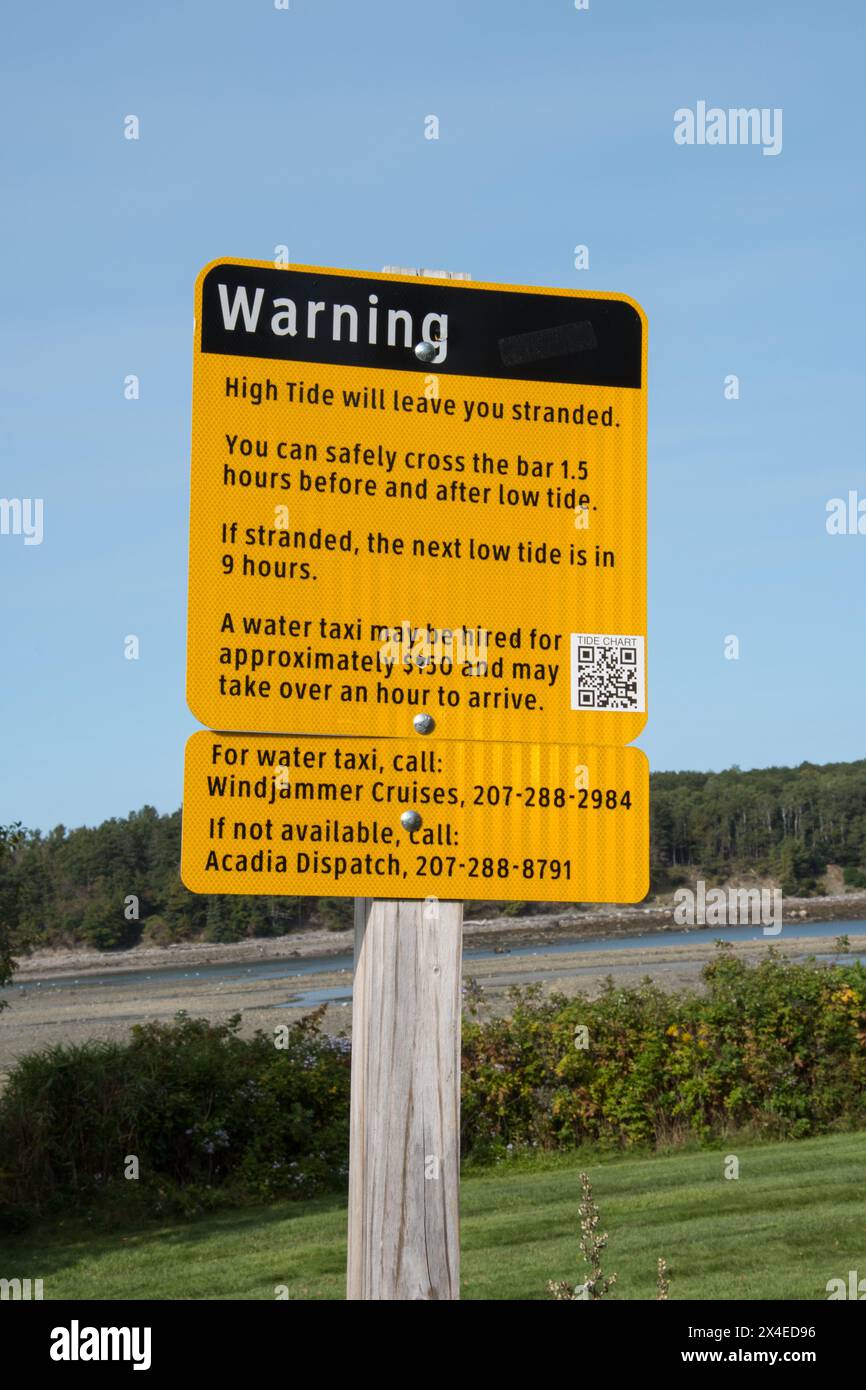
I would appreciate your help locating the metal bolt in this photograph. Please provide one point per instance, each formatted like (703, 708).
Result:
(425, 351)
(424, 723)
(410, 820)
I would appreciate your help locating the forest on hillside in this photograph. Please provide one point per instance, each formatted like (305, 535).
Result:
(117, 883)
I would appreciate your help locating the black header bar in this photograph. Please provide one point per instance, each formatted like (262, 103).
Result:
(365, 321)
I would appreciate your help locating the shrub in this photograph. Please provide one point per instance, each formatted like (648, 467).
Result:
(335, 914)
(202, 1109)
(777, 1048)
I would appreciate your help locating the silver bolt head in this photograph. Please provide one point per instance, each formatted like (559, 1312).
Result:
(410, 820)
(425, 351)
(424, 723)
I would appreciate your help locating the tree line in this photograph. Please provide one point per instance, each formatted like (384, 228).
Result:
(117, 883)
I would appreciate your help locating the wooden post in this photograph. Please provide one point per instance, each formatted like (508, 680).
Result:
(404, 1146)
(404, 1158)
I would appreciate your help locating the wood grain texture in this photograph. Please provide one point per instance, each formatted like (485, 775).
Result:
(404, 1175)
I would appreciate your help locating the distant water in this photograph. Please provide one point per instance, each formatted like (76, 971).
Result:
(312, 997)
(297, 969)
(686, 935)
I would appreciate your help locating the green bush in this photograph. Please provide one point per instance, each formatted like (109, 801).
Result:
(335, 914)
(798, 868)
(777, 1048)
(204, 1111)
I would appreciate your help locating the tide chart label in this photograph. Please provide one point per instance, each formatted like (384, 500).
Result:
(416, 497)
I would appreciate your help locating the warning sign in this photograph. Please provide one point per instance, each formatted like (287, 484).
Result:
(416, 498)
(399, 818)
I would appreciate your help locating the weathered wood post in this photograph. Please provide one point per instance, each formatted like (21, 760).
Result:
(404, 1148)
(404, 1166)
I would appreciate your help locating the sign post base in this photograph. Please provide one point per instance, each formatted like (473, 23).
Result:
(404, 1165)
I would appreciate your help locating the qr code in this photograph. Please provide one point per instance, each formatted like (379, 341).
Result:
(607, 672)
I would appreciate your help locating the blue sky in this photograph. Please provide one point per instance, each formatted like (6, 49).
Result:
(305, 127)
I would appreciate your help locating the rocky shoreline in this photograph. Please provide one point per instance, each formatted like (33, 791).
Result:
(589, 924)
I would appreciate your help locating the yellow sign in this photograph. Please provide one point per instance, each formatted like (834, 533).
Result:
(407, 819)
(416, 497)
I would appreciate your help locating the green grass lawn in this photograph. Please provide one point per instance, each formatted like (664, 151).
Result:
(795, 1218)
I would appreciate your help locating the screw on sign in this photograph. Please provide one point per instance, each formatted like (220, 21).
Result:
(418, 578)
